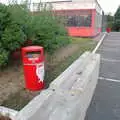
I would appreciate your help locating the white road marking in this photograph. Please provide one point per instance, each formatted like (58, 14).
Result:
(109, 79)
(99, 43)
(110, 60)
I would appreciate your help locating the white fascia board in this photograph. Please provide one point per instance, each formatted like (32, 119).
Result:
(84, 1)
(73, 5)
(51, 1)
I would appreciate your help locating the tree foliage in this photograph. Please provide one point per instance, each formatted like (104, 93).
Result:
(13, 37)
(48, 31)
(117, 20)
(4, 18)
(110, 21)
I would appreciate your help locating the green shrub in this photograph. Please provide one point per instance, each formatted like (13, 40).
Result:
(4, 18)
(47, 31)
(13, 37)
(3, 57)
(17, 25)
(117, 20)
(22, 17)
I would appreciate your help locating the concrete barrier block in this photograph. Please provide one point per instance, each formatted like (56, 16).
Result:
(9, 112)
(65, 79)
(87, 88)
(33, 106)
(85, 78)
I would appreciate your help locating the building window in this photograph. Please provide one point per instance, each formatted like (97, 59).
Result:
(80, 20)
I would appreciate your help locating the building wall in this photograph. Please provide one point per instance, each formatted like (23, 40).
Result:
(76, 10)
(83, 31)
(82, 28)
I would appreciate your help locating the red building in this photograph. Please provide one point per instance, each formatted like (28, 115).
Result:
(83, 17)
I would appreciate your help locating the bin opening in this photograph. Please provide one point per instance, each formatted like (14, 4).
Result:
(33, 54)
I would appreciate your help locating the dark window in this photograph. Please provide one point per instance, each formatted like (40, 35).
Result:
(81, 20)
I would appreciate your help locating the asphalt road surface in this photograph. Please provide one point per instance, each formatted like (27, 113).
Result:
(106, 101)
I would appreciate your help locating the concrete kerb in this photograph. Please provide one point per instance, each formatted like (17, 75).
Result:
(8, 112)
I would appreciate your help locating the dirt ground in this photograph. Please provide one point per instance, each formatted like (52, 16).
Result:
(12, 78)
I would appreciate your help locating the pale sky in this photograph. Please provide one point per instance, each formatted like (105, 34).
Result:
(107, 5)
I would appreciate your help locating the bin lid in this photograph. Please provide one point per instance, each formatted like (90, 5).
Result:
(32, 48)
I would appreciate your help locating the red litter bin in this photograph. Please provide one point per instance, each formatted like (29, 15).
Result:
(33, 64)
(108, 30)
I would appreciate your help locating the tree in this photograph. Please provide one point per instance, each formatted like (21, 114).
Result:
(110, 20)
(4, 18)
(110, 17)
(117, 20)
(13, 37)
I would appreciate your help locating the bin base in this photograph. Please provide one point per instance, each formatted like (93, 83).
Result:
(37, 87)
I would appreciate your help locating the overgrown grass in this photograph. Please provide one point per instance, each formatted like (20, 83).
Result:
(21, 98)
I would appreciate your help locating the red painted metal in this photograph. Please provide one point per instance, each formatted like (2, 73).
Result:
(30, 63)
(81, 31)
(108, 30)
